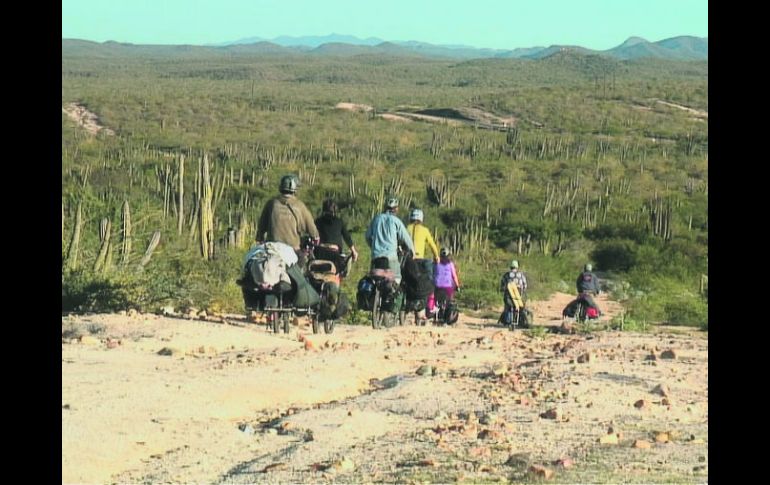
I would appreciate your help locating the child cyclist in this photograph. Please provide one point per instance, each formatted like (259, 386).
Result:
(446, 281)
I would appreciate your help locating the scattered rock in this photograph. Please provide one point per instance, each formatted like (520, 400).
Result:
(500, 370)
(651, 357)
(169, 311)
(275, 467)
(584, 358)
(519, 460)
(425, 370)
(344, 465)
(541, 471)
(564, 462)
(661, 390)
(568, 328)
(641, 404)
(668, 354)
(642, 444)
(309, 345)
(168, 351)
(489, 434)
(427, 462)
(552, 413)
(271, 431)
(662, 437)
(609, 439)
(246, 428)
(131, 313)
(89, 340)
(665, 401)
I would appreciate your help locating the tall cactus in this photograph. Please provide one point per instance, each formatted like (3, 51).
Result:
(150, 248)
(126, 246)
(72, 254)
(206, 215)
(105, 228)
(180, 191)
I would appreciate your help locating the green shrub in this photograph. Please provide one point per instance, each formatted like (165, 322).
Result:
(689, 311)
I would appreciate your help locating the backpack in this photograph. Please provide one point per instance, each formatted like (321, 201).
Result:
(365, 294)
(417, 281)
(451, 313)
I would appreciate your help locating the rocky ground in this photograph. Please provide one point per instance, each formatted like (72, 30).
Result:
(164, 399)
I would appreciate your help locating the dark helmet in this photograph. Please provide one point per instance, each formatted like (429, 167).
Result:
(445, 252)
(391, 203)
(288, 184)
(330, 207)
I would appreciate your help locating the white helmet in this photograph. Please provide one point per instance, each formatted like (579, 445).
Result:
(416, 215)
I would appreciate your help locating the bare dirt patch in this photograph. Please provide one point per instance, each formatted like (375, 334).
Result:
(697, 113)
(84, 118)
(392, 117)
(354, 107)
(236, 404)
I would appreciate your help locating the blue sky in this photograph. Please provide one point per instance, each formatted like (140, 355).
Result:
(501, 24)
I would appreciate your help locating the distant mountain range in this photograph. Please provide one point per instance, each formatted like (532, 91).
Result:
(675, 48)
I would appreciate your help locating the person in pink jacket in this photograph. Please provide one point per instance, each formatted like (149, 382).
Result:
(445, 277)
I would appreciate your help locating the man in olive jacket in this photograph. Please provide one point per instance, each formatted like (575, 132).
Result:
(285, 218)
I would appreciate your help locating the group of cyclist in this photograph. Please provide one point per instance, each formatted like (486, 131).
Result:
(286, 219)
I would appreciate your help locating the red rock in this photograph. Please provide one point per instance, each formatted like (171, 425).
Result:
(541, 471)
(550, 414)
(641, 404)
(642, 444)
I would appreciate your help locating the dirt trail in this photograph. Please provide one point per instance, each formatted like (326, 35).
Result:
(86, 119)
(696, 112)
(233, 400)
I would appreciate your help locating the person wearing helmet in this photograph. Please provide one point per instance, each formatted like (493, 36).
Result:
(385, 233)
(446, 279)
(587, 285)
(515, 275)
(332, 228)
(518, 277)
(285, 218)
(421, 237)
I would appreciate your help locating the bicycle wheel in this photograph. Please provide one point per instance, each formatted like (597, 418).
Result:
(275, 319)
(580, 313)
(329, 325)
(315, 322)
(376, 312)
(286, 320)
